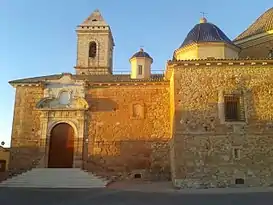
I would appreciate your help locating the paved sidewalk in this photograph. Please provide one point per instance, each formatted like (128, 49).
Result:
(104, 196)
(166, 187)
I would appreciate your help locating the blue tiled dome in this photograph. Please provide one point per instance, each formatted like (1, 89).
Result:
(140, 54)
(205, 32)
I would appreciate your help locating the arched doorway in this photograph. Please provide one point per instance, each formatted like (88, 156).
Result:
(61, 147)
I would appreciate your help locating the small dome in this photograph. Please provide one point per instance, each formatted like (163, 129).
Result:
(263, 24)
(141, 54)
(205, 32)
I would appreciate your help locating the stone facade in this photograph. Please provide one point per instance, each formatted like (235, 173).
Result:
(121, 130)
(170, 126)
(124, 141)
(26, 147)
(203, 144)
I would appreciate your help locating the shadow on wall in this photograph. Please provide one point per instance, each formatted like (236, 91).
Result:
(130, 159)
(102, 105)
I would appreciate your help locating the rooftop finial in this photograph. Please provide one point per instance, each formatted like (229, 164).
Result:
(203, 19)
(141, 48)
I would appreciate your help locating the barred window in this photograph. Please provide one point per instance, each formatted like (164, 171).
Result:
(233, 108)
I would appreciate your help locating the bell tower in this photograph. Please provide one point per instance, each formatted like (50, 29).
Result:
(95, 46)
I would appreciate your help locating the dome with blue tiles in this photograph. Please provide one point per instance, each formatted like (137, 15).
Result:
(205, 32)
(141, 54)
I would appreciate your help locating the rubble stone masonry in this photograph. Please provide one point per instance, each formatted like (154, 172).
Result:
(129, 129)
(25, 144)
(203, 144)
(167, 129)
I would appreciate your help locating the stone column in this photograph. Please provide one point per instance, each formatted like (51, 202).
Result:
(85, 143)
(44, 139)
(78, 144)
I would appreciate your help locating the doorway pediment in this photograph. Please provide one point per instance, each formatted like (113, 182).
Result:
(52, 103)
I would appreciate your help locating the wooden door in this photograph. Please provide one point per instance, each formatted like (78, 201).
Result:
(61, 146)
(3, 165)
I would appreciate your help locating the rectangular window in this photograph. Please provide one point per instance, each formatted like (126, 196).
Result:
(139, 69)
(232, 108)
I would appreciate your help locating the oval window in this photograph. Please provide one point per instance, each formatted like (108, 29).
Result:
(64, 98)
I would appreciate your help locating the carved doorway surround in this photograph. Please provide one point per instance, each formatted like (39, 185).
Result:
(75, 119)
(63, 102)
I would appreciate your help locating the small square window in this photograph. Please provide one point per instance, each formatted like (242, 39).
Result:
(139, 69)
(239, 181)
(137, 176)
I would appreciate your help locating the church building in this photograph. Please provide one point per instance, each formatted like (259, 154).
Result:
(206, 122)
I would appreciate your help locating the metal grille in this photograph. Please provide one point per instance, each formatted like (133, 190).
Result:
(232, 108)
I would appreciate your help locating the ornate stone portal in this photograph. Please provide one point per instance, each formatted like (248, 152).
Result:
(64, 102)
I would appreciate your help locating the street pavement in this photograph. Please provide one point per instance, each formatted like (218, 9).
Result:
(105, 196)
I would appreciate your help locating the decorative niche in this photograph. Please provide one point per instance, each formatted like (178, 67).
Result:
(137, 110)
(64, 97)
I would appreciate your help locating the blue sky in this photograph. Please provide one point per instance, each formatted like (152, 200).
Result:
(38, 37)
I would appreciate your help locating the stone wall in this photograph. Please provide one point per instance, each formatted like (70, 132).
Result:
(129, 130)
(26, 148)
(203, 146)
(102, 63)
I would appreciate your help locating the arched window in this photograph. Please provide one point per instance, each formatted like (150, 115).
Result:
(92, 49)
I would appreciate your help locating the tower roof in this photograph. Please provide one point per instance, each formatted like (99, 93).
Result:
(141, 54)
(95, 19)
(205, 32)
(263, 24)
